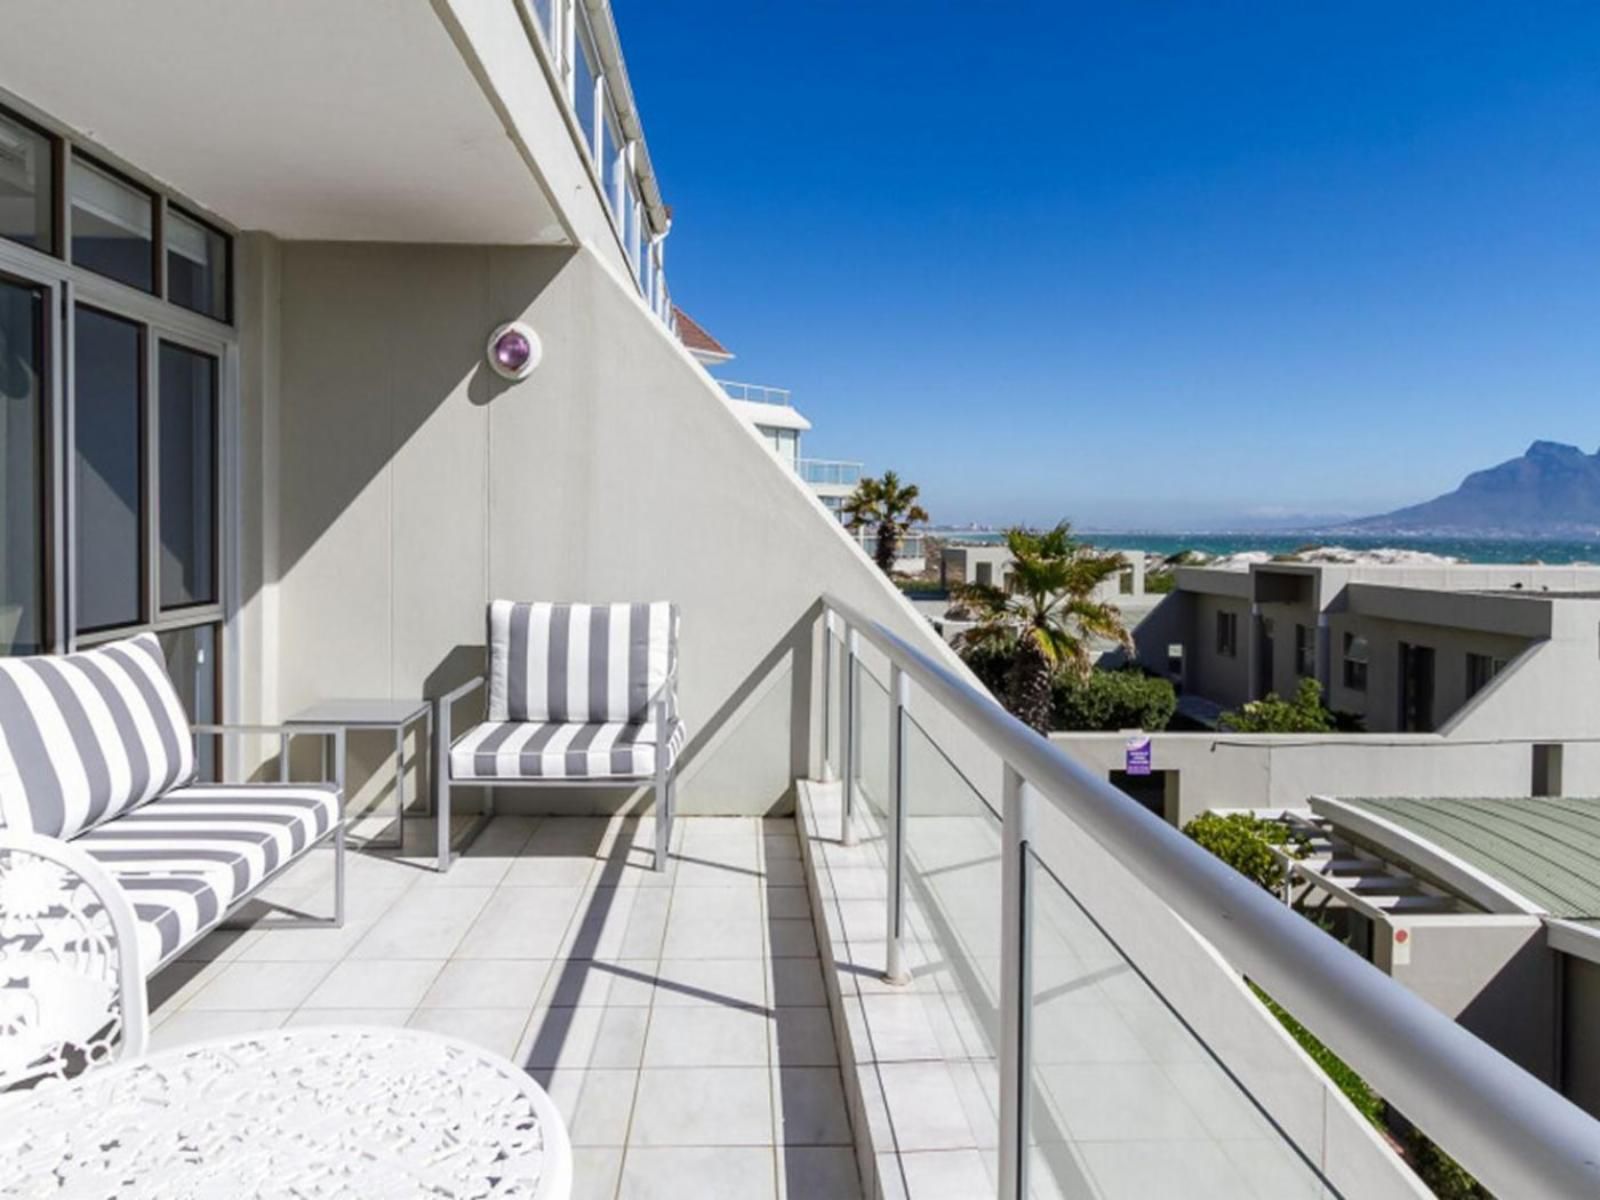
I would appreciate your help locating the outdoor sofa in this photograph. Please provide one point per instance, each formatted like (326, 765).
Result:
(579, 695)
(95, 749)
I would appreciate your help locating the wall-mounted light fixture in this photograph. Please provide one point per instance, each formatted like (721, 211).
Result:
(514, 350)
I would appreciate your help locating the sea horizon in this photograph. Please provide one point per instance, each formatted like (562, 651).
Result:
(1479, 549)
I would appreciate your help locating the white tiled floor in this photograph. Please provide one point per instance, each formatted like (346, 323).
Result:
(678, 1020)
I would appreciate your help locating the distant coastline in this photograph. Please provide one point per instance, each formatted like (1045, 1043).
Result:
(1477, 549)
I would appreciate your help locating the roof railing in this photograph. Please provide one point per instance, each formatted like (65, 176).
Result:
(1515, 1134)
(755, 393)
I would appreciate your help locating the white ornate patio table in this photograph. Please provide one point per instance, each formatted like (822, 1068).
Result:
(336, 1112)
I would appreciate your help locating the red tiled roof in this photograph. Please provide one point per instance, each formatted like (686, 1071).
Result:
(693, 335)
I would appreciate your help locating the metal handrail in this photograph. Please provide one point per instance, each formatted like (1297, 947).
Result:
(1518, 1136)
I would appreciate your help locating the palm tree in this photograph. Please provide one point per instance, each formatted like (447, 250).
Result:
(1045, 616)
(889, 507)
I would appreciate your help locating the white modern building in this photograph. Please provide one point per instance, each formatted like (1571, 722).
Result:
(781, 425)
(322, 326)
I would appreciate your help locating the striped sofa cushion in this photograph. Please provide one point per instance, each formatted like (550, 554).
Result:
(578, 662)
(542, 750)
(86, 736)
(185, 859)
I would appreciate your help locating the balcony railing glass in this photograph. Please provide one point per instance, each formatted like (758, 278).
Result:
(911, 545)
(572, 46)
(830, 471)
(755, 393)
(1023, 883)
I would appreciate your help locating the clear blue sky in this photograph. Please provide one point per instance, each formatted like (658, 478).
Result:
(1142, 264)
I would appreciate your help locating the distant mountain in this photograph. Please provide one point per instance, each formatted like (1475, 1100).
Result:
(1551, 491)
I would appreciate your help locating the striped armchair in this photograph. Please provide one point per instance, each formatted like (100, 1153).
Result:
(579, 695)
(95, 749)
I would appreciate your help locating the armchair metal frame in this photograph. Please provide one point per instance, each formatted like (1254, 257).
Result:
(662, 711)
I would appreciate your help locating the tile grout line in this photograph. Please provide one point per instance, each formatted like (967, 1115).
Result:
(638, 1072)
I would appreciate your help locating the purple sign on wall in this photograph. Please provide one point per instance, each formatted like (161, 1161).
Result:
(1138, 758)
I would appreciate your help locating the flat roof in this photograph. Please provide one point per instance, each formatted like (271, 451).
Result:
(1543, 849)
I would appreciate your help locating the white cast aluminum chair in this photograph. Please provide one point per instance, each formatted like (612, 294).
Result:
(72, 992)
(579, 695)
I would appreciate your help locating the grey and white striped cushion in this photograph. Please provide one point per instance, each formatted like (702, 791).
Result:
(578, 662)
(548, 750)
(86, 736)
(186, 858)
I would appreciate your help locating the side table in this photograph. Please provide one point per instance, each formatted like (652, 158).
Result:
(396, 715)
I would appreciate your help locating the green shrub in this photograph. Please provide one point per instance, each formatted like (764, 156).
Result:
(990, 664)
(1447, 1178)
(1303, 714)
(1245, 842)
(1111, 700)
(1159, 583)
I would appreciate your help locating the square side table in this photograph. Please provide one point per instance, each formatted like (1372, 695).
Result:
(398, 715)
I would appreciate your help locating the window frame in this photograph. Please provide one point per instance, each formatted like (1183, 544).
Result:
(158, 235)
(215, 361)
(145, 513)
(1355, 670)
(228, 239)
(1227, 633)
(1493, 664)
(52, 620)
(58, 183)
(1305, 650)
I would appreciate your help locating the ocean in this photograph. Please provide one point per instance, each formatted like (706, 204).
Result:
(1481, 550)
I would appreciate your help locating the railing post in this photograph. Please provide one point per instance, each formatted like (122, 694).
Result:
(827, 696)
(899, 694)
(851, 732)
(1016, 984)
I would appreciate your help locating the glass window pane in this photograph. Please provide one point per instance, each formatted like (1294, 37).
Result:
(27, 185)
(22, 398)
(113, 226)
(197, 266)
(107, 419)
(542, 12)
(192, 662)
(187, 441)
(583, 76)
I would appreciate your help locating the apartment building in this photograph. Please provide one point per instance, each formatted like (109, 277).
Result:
(1403, 648)
(782, 426)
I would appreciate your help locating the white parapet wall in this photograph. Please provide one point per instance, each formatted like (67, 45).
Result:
(1277, 771)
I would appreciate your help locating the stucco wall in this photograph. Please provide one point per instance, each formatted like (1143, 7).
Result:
(413, 485)
(1380, 703)
(1219, 677)
(1491, 972)
(1226, 770)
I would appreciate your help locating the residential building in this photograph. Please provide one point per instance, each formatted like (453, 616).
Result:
(1489, 908)
(319, 332)
(1403, 648)
(771, 410)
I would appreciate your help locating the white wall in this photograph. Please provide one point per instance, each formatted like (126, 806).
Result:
(413, 486)
(1276, 771)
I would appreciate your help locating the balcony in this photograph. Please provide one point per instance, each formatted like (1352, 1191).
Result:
(755, 393)
(968, 968)
(829, 472)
